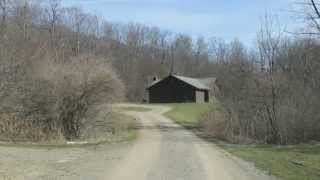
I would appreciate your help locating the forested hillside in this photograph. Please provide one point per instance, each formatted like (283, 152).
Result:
(36, 28)
(271, 92)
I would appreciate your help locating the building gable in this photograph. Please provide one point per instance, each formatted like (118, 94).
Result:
(201, 84)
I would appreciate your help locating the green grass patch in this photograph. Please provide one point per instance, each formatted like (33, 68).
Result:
(135, 109)
(301, 162)
(187, 114)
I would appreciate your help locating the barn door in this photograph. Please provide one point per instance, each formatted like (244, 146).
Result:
(200, 97)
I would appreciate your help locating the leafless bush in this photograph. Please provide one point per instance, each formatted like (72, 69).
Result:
(56, 97)
(213, 123)
(278, 107)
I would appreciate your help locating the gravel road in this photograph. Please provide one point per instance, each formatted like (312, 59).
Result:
(163, 151)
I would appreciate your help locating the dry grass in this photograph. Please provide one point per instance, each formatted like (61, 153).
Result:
(18, 130)
(48, 100)
(135, 109)
(109, 126)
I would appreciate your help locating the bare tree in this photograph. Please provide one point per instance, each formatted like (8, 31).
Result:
(52, 11)
(76, 18)
(316, 17)
(4, 13)
(269, 43)
(311, 12)
(25, 19)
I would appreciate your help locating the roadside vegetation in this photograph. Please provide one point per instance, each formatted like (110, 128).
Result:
(107, 127)
(60, 65)
(188, 114)
(135, 109)
(290, 162)
(298, 162)
(270, 93)
(46, 100)
(272, 98)
(53, 78)
(110, 127)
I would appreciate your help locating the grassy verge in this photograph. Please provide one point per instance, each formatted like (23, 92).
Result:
(135, 109)
(301, 162)
(187, 114)
(108, 127)
(111, 127)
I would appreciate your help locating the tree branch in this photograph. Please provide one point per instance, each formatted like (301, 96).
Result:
(315, 8)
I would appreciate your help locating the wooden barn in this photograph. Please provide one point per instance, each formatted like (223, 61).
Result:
(179, 89)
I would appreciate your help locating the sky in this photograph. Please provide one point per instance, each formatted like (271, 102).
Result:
(226, 19)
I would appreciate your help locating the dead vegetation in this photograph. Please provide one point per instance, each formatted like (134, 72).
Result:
(275, 103)
(109, 126)
(52, 99)
(49, 85)
(270, 95)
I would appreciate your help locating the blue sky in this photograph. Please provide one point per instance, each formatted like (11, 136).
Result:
(227, 19)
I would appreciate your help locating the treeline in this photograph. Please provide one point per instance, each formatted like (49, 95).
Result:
(49, 86)
(137, 51)
(269, 94)
(277, 102)
(58, 63)
(273, 95)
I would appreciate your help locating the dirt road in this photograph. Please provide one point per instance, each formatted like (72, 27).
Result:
(163, 151)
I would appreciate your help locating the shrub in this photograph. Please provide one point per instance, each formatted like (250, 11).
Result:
(213, 123)
(57, 97)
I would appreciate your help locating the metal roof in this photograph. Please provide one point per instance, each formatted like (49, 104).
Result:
(197, 83)
(208, 81)
(203, 84)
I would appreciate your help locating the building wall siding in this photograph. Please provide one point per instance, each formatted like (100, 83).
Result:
(172, 90)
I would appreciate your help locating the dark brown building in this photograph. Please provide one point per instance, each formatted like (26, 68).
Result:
(179, 89)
